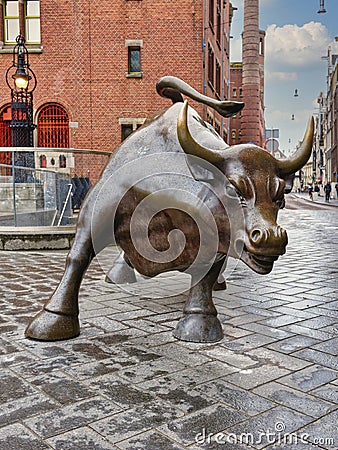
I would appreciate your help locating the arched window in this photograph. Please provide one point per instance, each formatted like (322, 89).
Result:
(53, 127)
(5, 139)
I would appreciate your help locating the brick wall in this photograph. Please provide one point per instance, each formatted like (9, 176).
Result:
(84, 60)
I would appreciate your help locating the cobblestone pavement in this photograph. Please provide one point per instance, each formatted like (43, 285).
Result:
(127, 384)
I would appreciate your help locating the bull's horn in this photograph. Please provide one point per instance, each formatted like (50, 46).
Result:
(188, 143)
(302, 154)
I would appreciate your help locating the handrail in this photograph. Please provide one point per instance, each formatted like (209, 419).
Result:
(55, 150)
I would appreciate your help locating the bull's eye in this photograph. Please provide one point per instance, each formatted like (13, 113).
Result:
(231, 191)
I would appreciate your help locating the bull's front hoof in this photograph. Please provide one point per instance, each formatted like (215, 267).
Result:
(50, 326)
(199, 328)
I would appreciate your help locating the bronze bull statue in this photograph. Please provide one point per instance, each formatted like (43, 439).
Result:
(175, 196)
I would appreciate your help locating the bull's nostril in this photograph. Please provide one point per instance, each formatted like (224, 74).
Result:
(256, 235)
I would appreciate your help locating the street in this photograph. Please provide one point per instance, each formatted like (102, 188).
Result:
(125, 383)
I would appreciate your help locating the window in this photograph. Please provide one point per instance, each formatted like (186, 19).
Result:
(129, 125)
(211, 63)
(21, 17)
(218, 78)
(134, 58)
(32, 22)
(234, 92)
(53, 127)
(11, 21)
(211, 13)
(219, 23)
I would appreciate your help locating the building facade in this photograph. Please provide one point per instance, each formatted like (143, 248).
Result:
(97, 67)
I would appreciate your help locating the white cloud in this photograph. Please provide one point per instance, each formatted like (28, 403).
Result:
(280, 76)
(292, 46)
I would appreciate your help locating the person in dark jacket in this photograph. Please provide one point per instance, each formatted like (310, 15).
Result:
(327, 190)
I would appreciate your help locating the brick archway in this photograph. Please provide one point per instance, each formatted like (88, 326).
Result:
(53, 126)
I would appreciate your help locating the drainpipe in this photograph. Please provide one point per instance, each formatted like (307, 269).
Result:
(204, 45)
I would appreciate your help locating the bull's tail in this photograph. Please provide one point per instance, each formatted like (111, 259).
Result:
(173, 88)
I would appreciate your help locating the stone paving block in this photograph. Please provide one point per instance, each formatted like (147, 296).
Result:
(203, 373)
(287, 310)
(327, 392)
(293, 344)
(177, 394)
(119, 391)
(235, 397)
(62, 388)
(305, 331)
(151, 369)
(255, 376)
(330, 346)
(324, 431)
(275, 333)
(18, 437)
(13, 387)
(148, 441)
(105, 323)
(17, 358)
(80, 439)
(21, 408)
(280, 320)
(270, 427)
(231, 357)
(318, 322)
(177, 351)
(134, 421)
(296, 400)
(267, 356)
(70, 417)
(212, 420)
(249, 342)
(318, 357)
(309, 378)
(38, 367)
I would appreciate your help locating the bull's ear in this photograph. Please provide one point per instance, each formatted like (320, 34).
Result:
(202, 170)
(289, 183)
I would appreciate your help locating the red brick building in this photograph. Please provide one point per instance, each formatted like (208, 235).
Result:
(97, 64)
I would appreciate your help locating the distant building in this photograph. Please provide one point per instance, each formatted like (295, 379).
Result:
(97, 64)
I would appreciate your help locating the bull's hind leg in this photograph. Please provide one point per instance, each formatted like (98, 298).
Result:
(199, 322)
(121, 272)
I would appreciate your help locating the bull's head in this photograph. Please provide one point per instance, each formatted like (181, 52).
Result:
(259, 181)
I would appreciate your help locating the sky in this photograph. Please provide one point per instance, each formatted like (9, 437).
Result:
(297, 38)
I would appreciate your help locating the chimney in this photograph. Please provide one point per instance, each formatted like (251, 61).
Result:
(251, 120)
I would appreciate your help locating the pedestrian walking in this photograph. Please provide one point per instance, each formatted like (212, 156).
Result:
(310, 191)
(336, 187)
(327, 190)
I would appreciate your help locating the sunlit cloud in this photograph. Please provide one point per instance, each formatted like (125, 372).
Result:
(292, 46)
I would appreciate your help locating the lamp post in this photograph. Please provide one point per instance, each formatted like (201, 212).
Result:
(22, 81)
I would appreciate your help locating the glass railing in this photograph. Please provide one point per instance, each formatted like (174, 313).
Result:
(31, 196)
(34, 197)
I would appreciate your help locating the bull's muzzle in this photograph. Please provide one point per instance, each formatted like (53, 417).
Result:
(262, 247)
(265, 238)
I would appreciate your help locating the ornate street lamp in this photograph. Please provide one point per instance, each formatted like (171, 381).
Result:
(22, 81)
